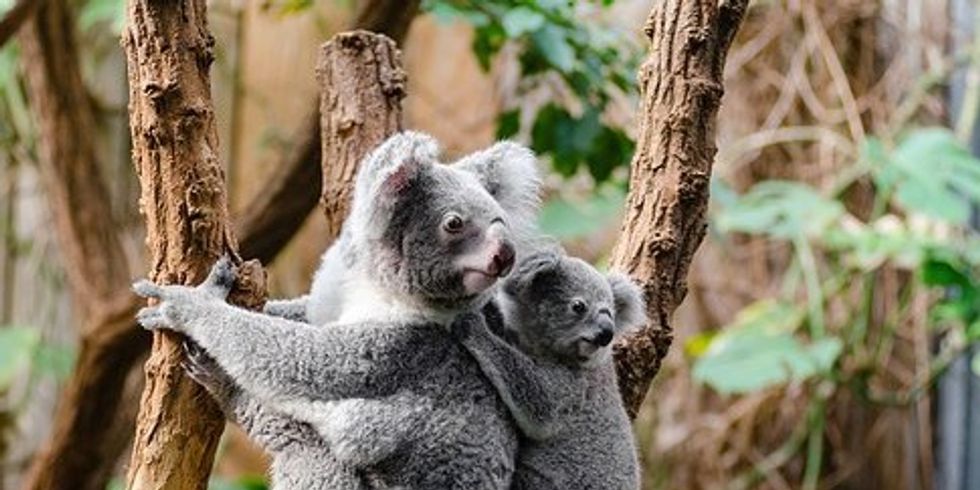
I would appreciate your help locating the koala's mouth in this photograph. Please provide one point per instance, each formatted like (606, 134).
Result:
(476, 281)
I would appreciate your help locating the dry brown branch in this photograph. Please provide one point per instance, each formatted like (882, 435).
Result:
(169, 51)
(14, 18)
(362, 85)
(681, 86)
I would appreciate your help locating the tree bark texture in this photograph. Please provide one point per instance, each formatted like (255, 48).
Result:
(267, 229)
(681, 89)
(362, 85)
(92, 257)
(169, 52)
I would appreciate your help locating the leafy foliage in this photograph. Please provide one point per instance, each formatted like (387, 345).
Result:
(759, 350)
(925, 188)
(594, 64)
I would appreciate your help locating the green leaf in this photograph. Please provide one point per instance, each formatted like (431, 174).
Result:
(508, 124)
(759, 350)
(780, 209)
(521, 20)
(554, 46)
(17, 346)
(931, 173)
(487, 41)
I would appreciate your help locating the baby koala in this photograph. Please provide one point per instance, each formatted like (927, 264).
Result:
(555, 371)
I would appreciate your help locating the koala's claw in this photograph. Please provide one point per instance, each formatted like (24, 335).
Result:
(152, 318)
(221, 278)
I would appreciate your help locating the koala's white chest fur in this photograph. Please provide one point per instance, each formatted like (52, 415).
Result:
(360, 300)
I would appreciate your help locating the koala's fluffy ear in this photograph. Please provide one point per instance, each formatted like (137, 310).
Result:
(529, 269)
(630, 307)
(390, 169)
(509, 172)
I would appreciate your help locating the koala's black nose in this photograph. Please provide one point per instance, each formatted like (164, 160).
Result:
(604, 338)
(502, 260)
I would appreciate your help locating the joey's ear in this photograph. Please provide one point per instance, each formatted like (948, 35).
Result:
(532, 268)
(630, 307)
(509, 172)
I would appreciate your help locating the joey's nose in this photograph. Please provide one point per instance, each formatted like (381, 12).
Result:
(502, 260)
(604, 338)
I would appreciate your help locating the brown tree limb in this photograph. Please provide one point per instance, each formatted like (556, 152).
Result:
(271, 220)
(362, 86)
(14, 18)
(169, 51)
(681, 87)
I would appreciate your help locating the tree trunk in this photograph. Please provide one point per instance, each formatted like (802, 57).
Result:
(268, 228)
(169, 51)
(681, 88)
(362, 85)
(92, 256)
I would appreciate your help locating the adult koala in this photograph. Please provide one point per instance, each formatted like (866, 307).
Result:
(424, 242)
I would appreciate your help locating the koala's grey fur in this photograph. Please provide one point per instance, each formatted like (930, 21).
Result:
(402, 277)
(560, 385)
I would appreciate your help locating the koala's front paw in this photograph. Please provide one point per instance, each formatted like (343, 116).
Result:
(205, 371)
(178, 304)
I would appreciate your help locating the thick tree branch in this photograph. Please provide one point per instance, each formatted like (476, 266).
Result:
(271, 220)
(681, 87)
(169, 51)
(362, 85)
(15, 17)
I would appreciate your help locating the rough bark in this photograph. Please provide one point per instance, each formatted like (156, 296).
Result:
(362, 86)
(681, 89)
(92, 257)
(15, 17)
(169, 52)
(268, 228)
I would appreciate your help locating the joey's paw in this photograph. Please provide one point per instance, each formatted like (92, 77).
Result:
(466, 324)
(157, 317)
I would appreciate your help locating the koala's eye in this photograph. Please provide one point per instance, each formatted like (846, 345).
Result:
(579, 307)
(453, 223)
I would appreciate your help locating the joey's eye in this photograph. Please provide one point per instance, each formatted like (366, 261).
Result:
(578, 307)
(452, 223)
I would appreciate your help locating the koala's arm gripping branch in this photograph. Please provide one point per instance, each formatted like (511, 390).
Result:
(273, 358)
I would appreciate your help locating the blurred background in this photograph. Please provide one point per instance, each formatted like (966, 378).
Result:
(827, 339)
